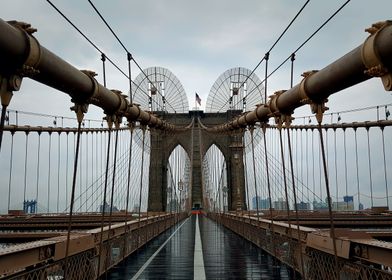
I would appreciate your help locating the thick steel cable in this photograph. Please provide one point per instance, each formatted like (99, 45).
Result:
(385, 165)
(329, 199)
(10, 173)
(370, 167)
(336, 166)
(72, 201)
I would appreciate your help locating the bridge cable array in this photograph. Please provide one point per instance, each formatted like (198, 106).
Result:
(129, 56)
(103, 55)
(292, 55)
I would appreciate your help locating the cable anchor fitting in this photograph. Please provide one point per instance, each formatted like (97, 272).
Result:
(371, 58)
(281, 118)
(80, 110)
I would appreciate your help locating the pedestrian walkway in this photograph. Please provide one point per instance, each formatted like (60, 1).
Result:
(185, 253)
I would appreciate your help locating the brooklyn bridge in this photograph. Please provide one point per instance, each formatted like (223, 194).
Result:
(138, 184)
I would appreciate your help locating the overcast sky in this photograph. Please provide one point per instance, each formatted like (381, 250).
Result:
(198, 41)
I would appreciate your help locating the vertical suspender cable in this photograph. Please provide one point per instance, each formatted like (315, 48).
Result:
(307, 165)
(357, 167)
(370, 167)
(58, 172)
(141, 182)
(72, 200)
(92, 171)
(103, 206)
(254, 172)
(246, 179)
(81, 192)
(66, 172)
(125, 252)
(87, 165)
(285, 185)
(293, 177)
(49, 169)
(38, 167)
(10, 176)
(108, 252)
(266, 76)
(345, 165)
(295, 201)
(313, 180)
(336, 165)
(385, 165)
(25, 167)
(269, 189)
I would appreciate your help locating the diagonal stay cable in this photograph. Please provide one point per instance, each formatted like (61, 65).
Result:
(92, 43)
(302, 45)
(123, 45)
(265, 57)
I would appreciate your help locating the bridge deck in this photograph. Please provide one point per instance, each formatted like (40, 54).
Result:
(226, 255)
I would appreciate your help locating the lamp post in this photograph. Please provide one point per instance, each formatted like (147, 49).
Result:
(180, 188)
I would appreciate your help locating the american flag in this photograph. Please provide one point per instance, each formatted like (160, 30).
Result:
(198, 100)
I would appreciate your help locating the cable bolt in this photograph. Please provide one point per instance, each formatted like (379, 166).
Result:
(80, 110)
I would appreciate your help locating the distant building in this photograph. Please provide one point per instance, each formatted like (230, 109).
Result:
(303, 206)
(320, 206)
(30, 206)
(263, 203)
(346, 205)
(106, 206)
(348, 198)
(280, 204)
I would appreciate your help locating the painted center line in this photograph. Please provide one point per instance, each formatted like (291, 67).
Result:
(198, 261)
(147, 263)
